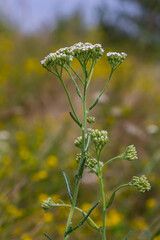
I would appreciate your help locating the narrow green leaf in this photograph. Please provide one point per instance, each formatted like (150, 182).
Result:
(84, 219)
(87, 142)
(111, 200)
(126, 238)
(79, 124)
(79, 93)
(81, 167)
(68, 186)
(46, 235)
(90, 224)
(94, 104)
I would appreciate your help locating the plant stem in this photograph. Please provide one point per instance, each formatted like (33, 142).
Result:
(80, 210)
(69, 99)
(75, 195)
(103, 198)
(112, 159)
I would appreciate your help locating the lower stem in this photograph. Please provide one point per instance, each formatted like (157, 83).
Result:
(72, 207)
(103, 205)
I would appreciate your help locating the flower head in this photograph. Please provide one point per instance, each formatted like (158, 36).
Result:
(90, 161)
(115, 58)
(140, 183)
(130, 153)
(90, 120)
(48, 204)
(57, 58)
(78, 141)
(99, 137)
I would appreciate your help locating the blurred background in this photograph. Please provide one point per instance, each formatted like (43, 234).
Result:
(37, 134)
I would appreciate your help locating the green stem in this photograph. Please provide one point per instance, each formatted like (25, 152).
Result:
(77, 88)
(80, 210)
(90, 73)
(96, 101)
(111, 160)
(69, 99)
(76, 75)
(113, 194)
(77, 183)
(103, 198)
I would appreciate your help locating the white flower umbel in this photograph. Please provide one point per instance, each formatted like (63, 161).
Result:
(115, 59)
(140, 183)
(54, 59)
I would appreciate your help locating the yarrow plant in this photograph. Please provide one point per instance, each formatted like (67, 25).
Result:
(92, 141)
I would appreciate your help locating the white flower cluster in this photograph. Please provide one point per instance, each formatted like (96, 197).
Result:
(56, 58)
(99, 137)
(82, 51)
(115, 58)
(141, 183)
(130, 153)
(90, 161)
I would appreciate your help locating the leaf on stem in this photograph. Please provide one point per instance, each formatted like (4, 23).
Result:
(111, 200)
(128, 235)
(87, 142)
(79, 124)
(81, 223)
(90, 224)
(81, 167)
(46, 235)
(94, 104)
(68, 186)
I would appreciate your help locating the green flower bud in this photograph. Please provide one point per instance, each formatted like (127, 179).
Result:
(115, 58)
(78, 141)
(141, 183)
(48, 204)
(130, 153)
(99, 137)
(90, 120)
(90, 161)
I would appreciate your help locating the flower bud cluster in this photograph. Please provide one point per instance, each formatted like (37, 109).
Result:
(57, 58)
(141, 183)
(78, 141)
(90, 161)
(85, 51)
(48, 204)
(99, 137)
(82, 51)
(115, 58)
(90, 120)
(130, 153)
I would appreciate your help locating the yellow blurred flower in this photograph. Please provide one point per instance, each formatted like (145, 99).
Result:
(15, 212)
(61, 229)
(26, 236)
(17, 231)
(157, 238)
(51, 161)
(39, 175)
(24, 153)
(86, 207)
(48, 217)
(6, 160)
(55, 197)
(32, 66)
(42, 197)
(139, 223)
(113, 218)
(150, 203)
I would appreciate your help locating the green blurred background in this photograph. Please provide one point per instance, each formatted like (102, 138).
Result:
(37, 134)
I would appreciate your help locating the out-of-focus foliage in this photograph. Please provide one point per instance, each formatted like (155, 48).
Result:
(36, 135)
